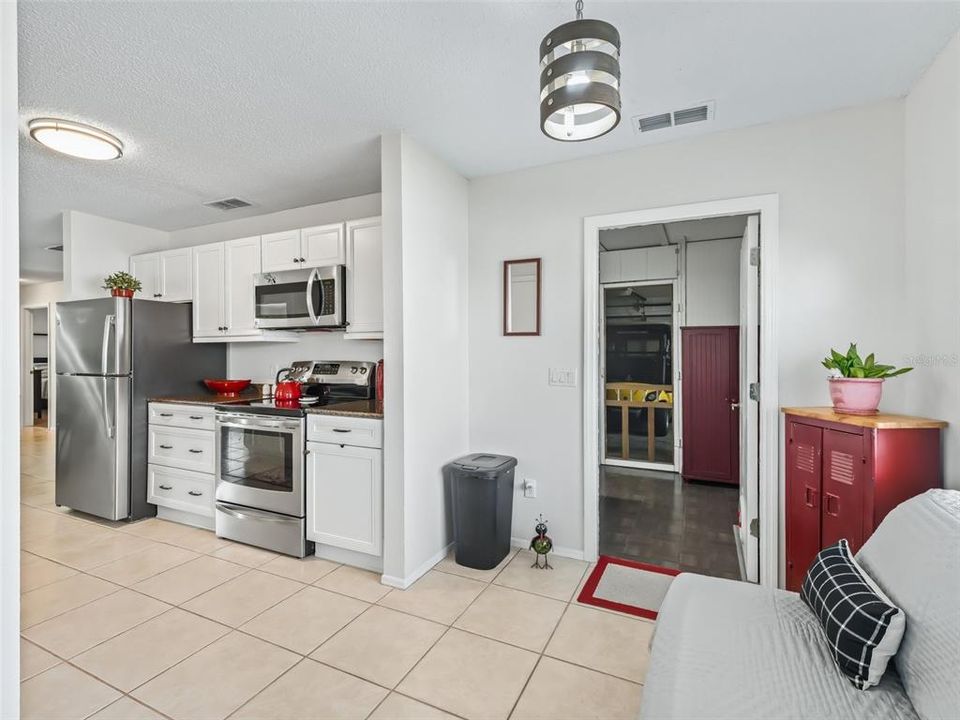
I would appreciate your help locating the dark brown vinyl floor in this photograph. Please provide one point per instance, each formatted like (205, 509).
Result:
(657, 518)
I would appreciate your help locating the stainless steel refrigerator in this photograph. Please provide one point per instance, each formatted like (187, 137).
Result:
(112, 355)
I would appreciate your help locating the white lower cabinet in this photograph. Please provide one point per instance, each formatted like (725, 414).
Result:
(181, 449)
(345, 496)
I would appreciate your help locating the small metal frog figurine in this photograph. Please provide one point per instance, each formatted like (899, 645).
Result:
(541, 545)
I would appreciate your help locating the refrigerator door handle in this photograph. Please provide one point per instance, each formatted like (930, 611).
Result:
(108, 322)
(110, 428)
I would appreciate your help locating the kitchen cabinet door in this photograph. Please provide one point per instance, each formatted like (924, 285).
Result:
(176, 277)
(208, 288)
(364, 277)
(241, 262)
(345, 497)
(322, 245)
(281, 251)
(146, 269)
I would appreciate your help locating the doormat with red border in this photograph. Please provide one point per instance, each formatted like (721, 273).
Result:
(626, 586)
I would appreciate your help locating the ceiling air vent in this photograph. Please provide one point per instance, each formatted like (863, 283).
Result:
(228, 204)
(699, 113)
(54, 248)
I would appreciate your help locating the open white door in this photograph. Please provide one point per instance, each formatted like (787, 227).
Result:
(749, 408)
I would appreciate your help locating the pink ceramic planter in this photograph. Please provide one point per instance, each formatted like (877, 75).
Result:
(856, 396)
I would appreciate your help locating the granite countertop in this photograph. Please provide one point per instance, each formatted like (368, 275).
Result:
(357, 408)
(209, 398)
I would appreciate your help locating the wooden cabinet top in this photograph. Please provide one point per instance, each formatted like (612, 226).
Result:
(880, 421)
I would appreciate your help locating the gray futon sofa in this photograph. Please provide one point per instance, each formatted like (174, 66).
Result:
(725, 649)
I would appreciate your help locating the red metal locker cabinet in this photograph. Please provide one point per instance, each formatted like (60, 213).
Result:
(844, 473)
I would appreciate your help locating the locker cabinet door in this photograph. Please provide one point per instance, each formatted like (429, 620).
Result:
(843, 477)
(804, 474)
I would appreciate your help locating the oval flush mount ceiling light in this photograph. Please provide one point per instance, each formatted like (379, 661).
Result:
(580, 79)
(76, 139)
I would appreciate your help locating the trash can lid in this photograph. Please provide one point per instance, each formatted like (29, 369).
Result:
(484, 463)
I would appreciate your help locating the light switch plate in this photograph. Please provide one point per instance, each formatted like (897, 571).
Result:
(562, 377)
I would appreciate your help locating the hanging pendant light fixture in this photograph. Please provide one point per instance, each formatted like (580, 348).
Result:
(580, 79)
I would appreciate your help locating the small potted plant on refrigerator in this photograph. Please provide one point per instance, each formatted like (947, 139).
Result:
(121, 284)
(858, 385)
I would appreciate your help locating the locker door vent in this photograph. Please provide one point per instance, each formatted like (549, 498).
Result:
(841, 467)
(806, 457)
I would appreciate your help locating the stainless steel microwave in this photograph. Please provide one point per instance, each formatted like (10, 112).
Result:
(301, 299)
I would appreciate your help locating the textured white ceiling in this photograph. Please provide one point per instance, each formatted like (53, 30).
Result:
(283, 104)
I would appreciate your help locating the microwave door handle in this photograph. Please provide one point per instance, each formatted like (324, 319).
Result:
(314, 276)
(108, 321)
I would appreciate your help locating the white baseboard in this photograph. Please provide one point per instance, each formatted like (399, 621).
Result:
(349, 557)
(185, 518)
(557, 550)
(405, 582)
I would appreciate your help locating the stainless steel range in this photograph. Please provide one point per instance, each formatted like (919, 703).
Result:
(260, 477)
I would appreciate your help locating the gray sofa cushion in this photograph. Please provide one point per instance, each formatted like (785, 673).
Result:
(726, 649)
(915, 557)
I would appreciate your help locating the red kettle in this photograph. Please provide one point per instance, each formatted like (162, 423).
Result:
(286, 389)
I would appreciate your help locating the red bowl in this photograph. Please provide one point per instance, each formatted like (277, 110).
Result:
(227, 388)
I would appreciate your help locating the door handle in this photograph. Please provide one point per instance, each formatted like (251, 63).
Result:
(831, 499)
(108, 322)
(734, 406)
(310, 309)
(810, 497)
(107, 426)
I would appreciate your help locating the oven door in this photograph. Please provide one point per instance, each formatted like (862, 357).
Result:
(260, 462)
(301, 299)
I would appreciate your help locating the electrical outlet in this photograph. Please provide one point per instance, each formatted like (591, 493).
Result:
(562, 377)
(529, 488)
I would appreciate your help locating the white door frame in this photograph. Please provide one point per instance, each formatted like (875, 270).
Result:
(677, 320)
(768, 207)
(26, 364)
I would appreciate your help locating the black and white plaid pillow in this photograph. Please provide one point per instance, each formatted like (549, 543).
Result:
(862, 626)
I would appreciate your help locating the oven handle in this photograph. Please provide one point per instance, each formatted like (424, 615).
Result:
(314, 318)
(241, 422)
(251, 514)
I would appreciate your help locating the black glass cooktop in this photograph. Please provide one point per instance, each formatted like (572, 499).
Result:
(290, 408)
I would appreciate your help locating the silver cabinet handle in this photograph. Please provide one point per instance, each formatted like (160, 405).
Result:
(296, 260)
(166, 414)
(166, 447)
(194, 493)
(196, 417)
(166, 487)
(303, 260)
(195, 451)
(341, 430)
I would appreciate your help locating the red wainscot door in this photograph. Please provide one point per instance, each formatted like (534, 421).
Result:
(710, 393)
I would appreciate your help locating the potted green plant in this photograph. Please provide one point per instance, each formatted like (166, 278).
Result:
(121, 284)
(859, 384)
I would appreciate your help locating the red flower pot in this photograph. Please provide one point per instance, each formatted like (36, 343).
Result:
(121, 292)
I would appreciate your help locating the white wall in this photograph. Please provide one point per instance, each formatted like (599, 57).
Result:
(9, 368)
(429, 208)
(94, 247)
(32, 294)
(260, 361)
(840, 180)
(712, 281)
(931, 340)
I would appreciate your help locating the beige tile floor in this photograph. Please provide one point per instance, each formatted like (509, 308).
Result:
(158, 620)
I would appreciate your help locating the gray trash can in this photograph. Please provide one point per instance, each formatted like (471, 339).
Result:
(482, 491)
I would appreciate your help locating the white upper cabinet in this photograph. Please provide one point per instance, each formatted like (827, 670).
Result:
(146, 269)
(176, 275)
(281, 251)
(241, 262)
(164, 275)
(364, 278)
(208, 290)
(650, 263)
(322, 245)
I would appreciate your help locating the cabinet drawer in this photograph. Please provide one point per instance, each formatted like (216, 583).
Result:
(182, 416)
(358, 432)
(182, 448)
(180, 489)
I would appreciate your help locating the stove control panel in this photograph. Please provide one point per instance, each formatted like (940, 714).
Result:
(342, 372)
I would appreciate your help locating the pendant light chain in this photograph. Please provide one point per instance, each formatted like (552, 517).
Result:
(579, 9)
